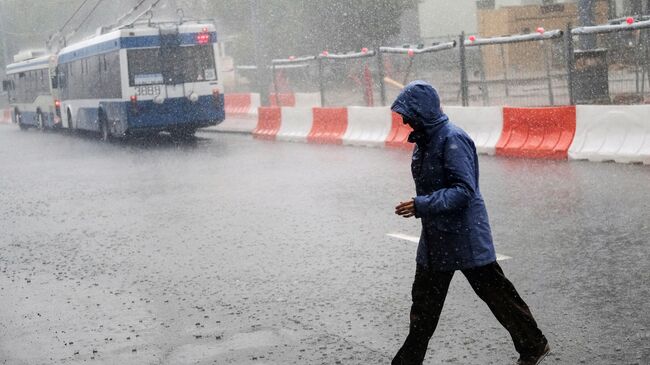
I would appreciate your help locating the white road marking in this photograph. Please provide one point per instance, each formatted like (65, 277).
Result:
(406, 237)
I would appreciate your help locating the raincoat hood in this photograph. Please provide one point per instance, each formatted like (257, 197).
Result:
(420, 103)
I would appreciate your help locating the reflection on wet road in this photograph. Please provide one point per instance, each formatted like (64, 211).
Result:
(225, 250)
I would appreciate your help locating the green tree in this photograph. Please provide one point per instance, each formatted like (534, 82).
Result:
(290, 27)
(352, 24)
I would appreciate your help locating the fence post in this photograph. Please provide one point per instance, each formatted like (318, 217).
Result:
(636, 67)
(275, 87)
(485, 92)
(505, 70)
(639, 53)
(549, 76)
(464, 90)
(408, 71)
(646, 66)
(235, 79)
(321, 82)
(570, 66)
(380, 71)
(644, 54)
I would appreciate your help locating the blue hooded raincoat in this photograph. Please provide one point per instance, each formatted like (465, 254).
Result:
(455, 228)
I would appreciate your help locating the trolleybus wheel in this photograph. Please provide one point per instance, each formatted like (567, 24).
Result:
(19, 120)
(39, 121)
(70, 126)
(104, 131)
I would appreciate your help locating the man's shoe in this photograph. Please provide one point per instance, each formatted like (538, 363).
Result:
(534, 359)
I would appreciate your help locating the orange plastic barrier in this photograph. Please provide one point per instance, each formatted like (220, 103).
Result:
(285, 99)
(268, 123)
(5, 116)
(399, 133)
(329, 125)
(237, 104)
(537, 132)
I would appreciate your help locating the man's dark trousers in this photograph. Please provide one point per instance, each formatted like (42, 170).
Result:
(491, 285)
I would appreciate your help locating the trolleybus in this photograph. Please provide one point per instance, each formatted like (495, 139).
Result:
(29, 90)
(141, 79)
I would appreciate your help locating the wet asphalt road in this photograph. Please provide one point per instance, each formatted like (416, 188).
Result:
(229, 250)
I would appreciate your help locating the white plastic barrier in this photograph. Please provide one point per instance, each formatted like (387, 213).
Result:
(237, 125)
(307, 99)
(256, 102)
(367, 126)
(483, 124)
(612, 133)
(296, 124)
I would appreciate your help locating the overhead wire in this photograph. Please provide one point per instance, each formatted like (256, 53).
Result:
(87, 16)
(155, 3)
(119, 20)
(58, 33)
(73, 15)
(83, 21)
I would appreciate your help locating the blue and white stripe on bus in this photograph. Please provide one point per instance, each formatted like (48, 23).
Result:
(186, 39)
(27, 66)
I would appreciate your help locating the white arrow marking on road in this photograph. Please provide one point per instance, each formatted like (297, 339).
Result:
(417, 240)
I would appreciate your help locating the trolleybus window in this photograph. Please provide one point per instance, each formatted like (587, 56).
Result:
(188, 64)
(200, 63)
(144, 66)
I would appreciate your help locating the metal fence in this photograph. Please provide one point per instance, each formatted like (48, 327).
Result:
(293, 76)
(438, 64)
(543, 68)
(524, 70)
(617, 70)
(348, 79)
(244, 79)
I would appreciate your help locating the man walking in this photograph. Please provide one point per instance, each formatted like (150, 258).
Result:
(455, 231)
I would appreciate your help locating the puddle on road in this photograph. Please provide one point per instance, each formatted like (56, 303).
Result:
(193, 353)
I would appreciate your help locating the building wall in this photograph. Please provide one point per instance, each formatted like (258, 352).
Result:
(443, 19)
(526, 58)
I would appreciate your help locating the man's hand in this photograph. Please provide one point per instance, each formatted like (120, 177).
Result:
(406, 209)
